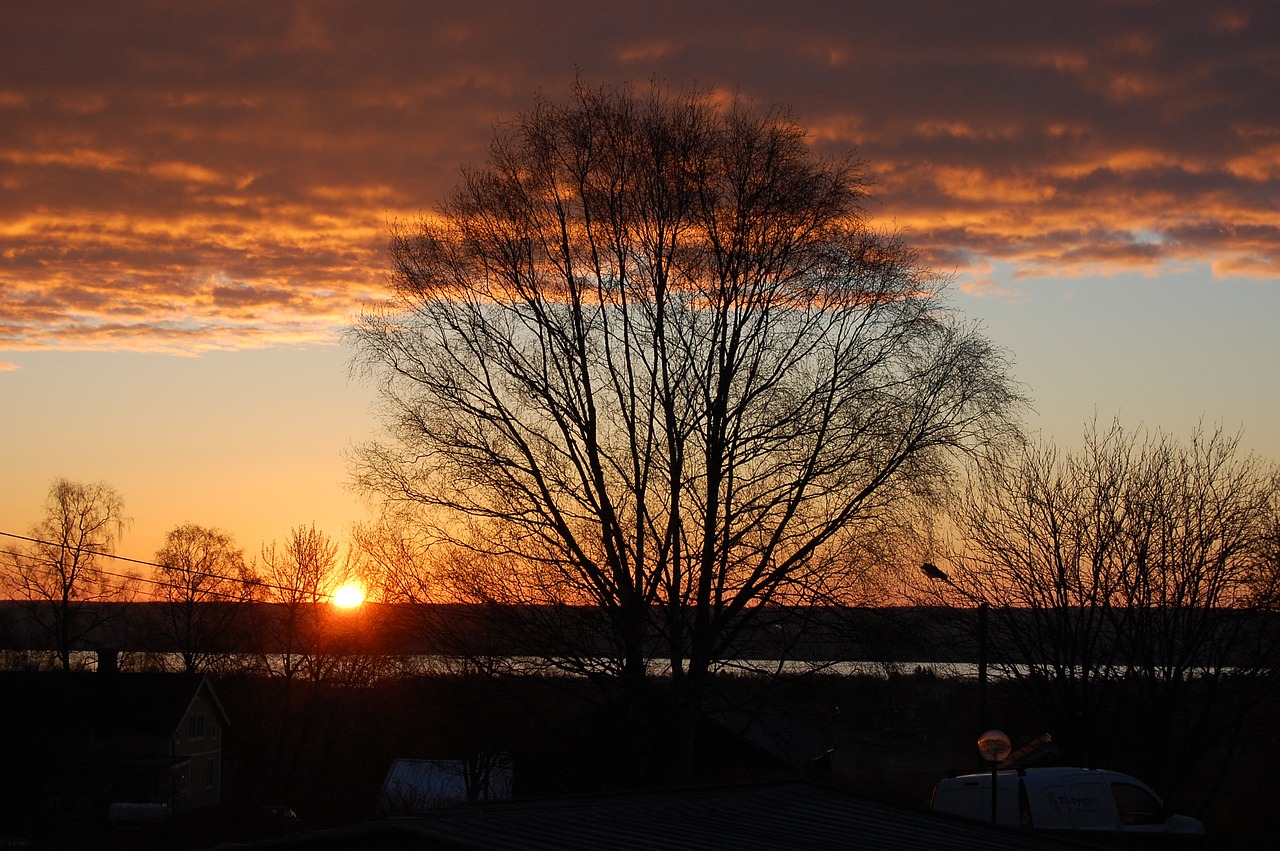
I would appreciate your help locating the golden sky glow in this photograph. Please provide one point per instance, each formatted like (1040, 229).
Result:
(194, 178)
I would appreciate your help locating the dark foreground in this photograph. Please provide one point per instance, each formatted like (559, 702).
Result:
(321, 752)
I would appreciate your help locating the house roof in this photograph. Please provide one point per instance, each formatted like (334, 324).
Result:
(745, 818)
(36, 702)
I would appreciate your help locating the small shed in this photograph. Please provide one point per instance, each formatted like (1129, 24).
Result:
(416, 786)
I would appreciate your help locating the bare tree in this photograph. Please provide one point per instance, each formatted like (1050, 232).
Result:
(303, 639)
(1267, 595)
(59, 574)
(402, 565)
(205, 581)
(1126, 582)
(651, 360)
(400, 558)
(298, 579)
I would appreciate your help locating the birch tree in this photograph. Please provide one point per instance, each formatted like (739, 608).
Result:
(59, 574)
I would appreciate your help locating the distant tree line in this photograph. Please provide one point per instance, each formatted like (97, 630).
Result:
(208, 604)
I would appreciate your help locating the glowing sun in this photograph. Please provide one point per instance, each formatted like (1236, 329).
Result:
(348, 596)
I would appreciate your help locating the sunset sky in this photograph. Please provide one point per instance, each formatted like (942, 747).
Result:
(194, 202)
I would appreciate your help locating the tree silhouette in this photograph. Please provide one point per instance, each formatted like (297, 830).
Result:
(58, 575)
(651, 360)
(1129, 584)
(298, 579)
(205, 581)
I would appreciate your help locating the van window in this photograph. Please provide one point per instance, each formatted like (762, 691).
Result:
(1090, 806)
(1136, 805)
(966, 800)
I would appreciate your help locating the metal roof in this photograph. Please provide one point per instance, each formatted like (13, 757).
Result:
(745, 818)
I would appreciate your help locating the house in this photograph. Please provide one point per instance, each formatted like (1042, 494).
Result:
(73, 744)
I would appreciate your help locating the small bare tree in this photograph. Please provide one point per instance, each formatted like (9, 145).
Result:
(59, 574)
(298, 580)
(294, 594)
(205, 582)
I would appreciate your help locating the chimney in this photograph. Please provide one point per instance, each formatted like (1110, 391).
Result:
(108, 660)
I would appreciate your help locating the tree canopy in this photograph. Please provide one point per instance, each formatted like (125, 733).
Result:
(651, 358)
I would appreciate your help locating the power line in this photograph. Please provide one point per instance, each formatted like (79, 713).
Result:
(255, 582)
(159, 583)
(84, 550)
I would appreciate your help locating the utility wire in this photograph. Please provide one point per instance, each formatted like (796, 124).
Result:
(85, 550)
(156, 582)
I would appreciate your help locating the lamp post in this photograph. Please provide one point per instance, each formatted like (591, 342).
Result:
(982, 663)
(994, 747)
(939, 575)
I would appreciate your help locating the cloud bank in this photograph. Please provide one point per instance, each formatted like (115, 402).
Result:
(220, 175)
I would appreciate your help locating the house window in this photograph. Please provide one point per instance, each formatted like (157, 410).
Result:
(195, 727)
(210, 774)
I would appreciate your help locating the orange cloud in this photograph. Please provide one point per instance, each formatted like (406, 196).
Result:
(648, 51)
(987, 288)
(207, 181)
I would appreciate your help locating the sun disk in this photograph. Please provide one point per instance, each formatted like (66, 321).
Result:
(348, 596)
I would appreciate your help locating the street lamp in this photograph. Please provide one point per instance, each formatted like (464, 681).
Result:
(939, 575)
(994, 746)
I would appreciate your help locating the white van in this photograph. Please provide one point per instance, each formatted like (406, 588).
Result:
(1068, 799)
